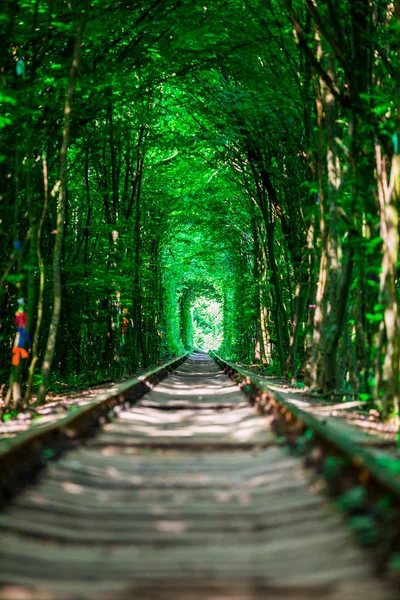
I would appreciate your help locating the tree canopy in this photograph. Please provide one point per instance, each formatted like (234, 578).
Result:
(178, 173)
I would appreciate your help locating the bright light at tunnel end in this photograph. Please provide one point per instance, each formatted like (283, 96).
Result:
(207, 321)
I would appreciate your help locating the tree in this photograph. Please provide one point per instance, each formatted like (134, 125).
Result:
(241, 155)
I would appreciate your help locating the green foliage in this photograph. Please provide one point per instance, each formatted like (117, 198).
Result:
(394, 563)
(201, 207)
(365, 528)
(354, 499)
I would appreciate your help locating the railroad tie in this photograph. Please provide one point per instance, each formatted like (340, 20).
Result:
(185, 495)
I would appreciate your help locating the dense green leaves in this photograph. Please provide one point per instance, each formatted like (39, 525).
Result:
(231, 180)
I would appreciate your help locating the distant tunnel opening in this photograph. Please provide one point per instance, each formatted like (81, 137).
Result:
(207, 319)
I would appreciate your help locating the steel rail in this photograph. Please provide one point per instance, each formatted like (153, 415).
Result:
(28, 452)
(376, 467)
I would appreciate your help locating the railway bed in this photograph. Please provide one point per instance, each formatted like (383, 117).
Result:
(185, 494)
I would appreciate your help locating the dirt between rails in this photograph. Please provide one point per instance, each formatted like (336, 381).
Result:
(58, 406)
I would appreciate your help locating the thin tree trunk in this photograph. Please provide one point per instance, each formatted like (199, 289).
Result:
(35, 345)
(389, 199)
(318, 322)
(61, 208)
(137, 300)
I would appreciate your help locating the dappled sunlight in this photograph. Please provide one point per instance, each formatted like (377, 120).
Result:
(38, 499)
(61, 405)
(201, 391)
(175, 527)
(114, 473)
(150, 417)
(289, 389)
(19, 592)
(201, 404)
(227, 497)
(175, 433)
(204, 378)
(197, 385)
(252, 431)
(235, 415)
(72, 488)
(244, 436)
(262, 480)
(211, 374)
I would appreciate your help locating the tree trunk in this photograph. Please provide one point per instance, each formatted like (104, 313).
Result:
(389, 197)
(55, 318)
(35, 345)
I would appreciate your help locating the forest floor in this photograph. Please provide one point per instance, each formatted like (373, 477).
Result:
(354, 418)
(58, 406)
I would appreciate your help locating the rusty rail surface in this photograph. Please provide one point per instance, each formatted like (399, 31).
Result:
(345, 464)
(24, 455)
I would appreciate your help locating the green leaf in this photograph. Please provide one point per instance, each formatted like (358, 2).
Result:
(15, 279)
(374, 317)
(6, 98)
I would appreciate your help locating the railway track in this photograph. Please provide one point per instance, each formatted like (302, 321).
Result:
(186, 494)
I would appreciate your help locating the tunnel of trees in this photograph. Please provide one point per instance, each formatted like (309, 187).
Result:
(179, 174)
